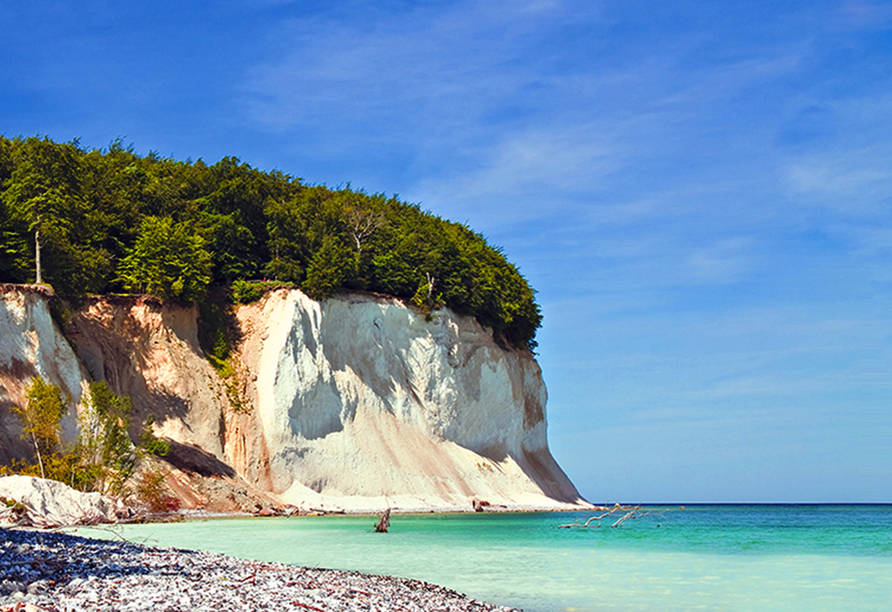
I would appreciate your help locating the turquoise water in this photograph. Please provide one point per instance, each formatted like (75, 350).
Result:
(760, 557)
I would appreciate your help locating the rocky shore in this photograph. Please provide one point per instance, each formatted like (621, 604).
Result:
(62, 573)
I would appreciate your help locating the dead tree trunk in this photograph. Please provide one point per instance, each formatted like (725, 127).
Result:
(39, 278)
(384, 522)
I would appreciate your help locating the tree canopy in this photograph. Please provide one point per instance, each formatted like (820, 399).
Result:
(111, 220)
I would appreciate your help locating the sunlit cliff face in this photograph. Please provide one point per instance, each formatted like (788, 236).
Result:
(355, 401)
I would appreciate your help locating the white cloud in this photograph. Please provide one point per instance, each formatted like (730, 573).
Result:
(723, 261)
(849, 181)
(421, 70)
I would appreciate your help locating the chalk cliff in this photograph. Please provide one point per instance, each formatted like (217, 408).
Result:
(356, 401)
(31, 345)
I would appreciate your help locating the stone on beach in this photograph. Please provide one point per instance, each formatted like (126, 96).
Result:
(62, 573)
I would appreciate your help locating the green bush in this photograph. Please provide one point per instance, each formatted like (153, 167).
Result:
(248, 292)
(151, 444)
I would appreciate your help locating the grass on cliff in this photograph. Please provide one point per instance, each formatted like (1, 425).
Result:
(218, 335)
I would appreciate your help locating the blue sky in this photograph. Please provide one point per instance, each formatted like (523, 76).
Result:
(700, 192)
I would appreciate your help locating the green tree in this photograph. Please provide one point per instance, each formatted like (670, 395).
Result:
(14, 257)
(41, 417)
(45, 192)
(169, 261)
(330, 269)
(112, 219)
(287, 250)
(106, 454)
(151, 444)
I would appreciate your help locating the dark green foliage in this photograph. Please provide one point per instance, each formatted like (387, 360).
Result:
(168, 260)
(44, 192)
(149, 443)
(112, 220)
(247, 292)
(332, 266)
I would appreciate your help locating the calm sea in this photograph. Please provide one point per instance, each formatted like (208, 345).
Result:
(716, 557)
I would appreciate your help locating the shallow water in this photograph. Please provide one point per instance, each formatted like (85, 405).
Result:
(766, 557)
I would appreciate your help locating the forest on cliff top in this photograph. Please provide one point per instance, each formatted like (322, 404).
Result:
(112, 221)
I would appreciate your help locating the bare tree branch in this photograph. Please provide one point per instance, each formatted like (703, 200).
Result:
(363, 224)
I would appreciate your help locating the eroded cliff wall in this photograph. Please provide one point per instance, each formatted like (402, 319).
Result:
(31, 345)
(363, 401)
(356, 401)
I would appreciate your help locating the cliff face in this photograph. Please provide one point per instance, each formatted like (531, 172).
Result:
(355, 401)
(360, 397)
(31, 345)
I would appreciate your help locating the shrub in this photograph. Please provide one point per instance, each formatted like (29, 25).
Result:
(151, 490)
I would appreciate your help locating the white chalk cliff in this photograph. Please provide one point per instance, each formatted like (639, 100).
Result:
(31, 345)
(356, 401)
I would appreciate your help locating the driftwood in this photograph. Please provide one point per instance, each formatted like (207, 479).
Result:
(627, 515)
(384, 522)
(628, 512)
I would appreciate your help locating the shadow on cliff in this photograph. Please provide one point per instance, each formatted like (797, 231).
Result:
(218, 329)
(190, 458)
(12, 446)
(120, 348)
(542, 469)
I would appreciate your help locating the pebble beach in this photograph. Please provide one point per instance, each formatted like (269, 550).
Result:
(42, 570)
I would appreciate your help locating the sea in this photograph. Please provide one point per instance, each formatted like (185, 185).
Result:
(692, 557)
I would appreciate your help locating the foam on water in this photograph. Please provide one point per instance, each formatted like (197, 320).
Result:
(700, 558)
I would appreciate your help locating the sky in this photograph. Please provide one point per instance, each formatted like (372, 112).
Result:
(700, 192)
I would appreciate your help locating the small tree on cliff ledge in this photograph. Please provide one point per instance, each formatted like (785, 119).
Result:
(41, 416)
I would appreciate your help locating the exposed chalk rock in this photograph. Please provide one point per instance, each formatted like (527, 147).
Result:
(31, 345)
(364, 402)
(49, 503)
(355, 402)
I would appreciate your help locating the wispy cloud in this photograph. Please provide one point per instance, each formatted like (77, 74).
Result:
(866, 15)
(723, 261)
(851, 181)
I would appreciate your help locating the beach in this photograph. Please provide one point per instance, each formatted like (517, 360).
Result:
(735, 558)
(42, 570)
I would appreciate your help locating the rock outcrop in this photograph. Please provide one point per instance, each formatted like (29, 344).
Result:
(47, 503)
(356, 401)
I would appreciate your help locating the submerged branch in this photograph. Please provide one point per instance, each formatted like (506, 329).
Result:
(629, 512)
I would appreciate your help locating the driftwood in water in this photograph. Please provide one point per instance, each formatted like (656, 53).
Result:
(629, 512)
(384, 522)
(627, 515)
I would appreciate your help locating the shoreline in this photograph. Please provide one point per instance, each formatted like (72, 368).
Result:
(37, 502)
(204, 515)
(56, 572)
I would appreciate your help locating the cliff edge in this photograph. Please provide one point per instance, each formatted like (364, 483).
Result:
(355, 402)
